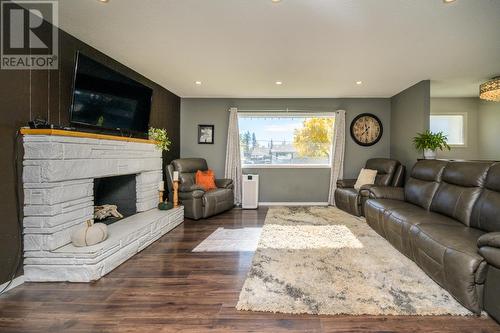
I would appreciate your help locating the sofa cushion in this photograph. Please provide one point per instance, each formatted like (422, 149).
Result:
(205, 179)
(365, 177)
(399, 221)
(424, 181)
(348, 200)
(388, 204)
(375, 210)
(485, 215)
(461, 186)
(449, 254)
(385, 170)
(187, 179)
(420, 192)
(428, 170)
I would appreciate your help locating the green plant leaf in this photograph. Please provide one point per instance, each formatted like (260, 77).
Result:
(430, 140)
(160, 136)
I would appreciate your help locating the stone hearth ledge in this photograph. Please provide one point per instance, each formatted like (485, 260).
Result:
(84, 264)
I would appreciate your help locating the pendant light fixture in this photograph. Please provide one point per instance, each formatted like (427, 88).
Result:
(490, 90)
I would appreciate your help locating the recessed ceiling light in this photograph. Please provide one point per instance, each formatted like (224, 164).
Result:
(279, 83)
(448, 1)
(198, 83)
(359, 83)
(103, 1)
(275, 1)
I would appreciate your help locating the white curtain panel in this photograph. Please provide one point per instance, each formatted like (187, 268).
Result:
(337, 154)
(233, 157)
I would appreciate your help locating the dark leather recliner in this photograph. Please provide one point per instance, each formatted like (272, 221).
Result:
(389, 173)
(447, 220)
(197, 202)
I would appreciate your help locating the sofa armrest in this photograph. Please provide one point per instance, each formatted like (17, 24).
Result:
(190, 188)
(386, 192)
(196, 194)
(489, 248)
(224, 183)
(490, 239)
(189, 192)
(364, 190)
(346, 183)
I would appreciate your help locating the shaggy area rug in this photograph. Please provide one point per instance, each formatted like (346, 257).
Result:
(320, 260)
(230, 240)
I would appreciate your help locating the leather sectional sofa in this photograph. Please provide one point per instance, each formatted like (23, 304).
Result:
(389, 173)
(197, 202)
(447, 220)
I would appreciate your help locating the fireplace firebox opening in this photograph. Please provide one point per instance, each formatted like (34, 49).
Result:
(119, 191)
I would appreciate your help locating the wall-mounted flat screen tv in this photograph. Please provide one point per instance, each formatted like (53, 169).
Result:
(106, 100)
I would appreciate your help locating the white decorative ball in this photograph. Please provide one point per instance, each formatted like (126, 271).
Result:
(91, 234)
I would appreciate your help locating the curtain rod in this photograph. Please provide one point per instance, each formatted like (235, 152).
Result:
(283, 110)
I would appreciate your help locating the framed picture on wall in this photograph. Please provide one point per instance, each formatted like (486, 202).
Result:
(206, 134)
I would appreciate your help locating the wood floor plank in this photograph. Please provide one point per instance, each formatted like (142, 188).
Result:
(168, 288)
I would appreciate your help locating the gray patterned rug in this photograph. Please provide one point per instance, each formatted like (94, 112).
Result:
(320, 260)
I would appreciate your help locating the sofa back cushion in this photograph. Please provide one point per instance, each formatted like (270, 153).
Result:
(187, 168)
(486, 212)
(461, 185)
(423, 183)
(385, 170)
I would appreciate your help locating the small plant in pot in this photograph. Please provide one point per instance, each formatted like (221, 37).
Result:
(162, 142)
(430, 142)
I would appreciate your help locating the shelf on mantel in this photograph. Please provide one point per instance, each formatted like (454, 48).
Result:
(60, 132)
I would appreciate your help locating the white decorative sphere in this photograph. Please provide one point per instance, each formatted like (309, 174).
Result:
(91, 234)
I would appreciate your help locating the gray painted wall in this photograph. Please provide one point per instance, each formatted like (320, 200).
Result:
(483, 123)
(489, 127)
(410, 111)
(470, 107)
(282, 185)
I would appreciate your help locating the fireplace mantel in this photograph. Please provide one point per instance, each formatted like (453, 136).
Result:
(58, 175)
(79, 134)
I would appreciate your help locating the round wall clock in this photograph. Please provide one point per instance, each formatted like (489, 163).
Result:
(366, 129)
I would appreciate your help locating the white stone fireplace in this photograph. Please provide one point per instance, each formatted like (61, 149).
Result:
(58, 181)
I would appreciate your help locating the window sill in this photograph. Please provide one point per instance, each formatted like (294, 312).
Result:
(285, 166)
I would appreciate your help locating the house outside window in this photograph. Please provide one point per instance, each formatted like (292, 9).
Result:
(291, 140)
(452, 125)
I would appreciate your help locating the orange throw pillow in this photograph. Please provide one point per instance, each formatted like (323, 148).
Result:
(205, 179)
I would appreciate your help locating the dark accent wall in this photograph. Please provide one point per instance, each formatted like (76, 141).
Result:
(410, 112)
(26, 95)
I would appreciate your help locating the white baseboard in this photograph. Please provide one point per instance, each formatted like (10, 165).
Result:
(15, 283)
(293, 203)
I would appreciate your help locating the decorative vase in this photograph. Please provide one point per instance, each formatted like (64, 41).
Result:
(429, 154)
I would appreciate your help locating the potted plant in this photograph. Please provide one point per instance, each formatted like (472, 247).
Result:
(430, 142)
(160, 136)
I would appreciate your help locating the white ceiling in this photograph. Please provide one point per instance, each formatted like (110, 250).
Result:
(318, 48)
(457, 87)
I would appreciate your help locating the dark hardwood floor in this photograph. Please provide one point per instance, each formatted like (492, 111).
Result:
(167, 288)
